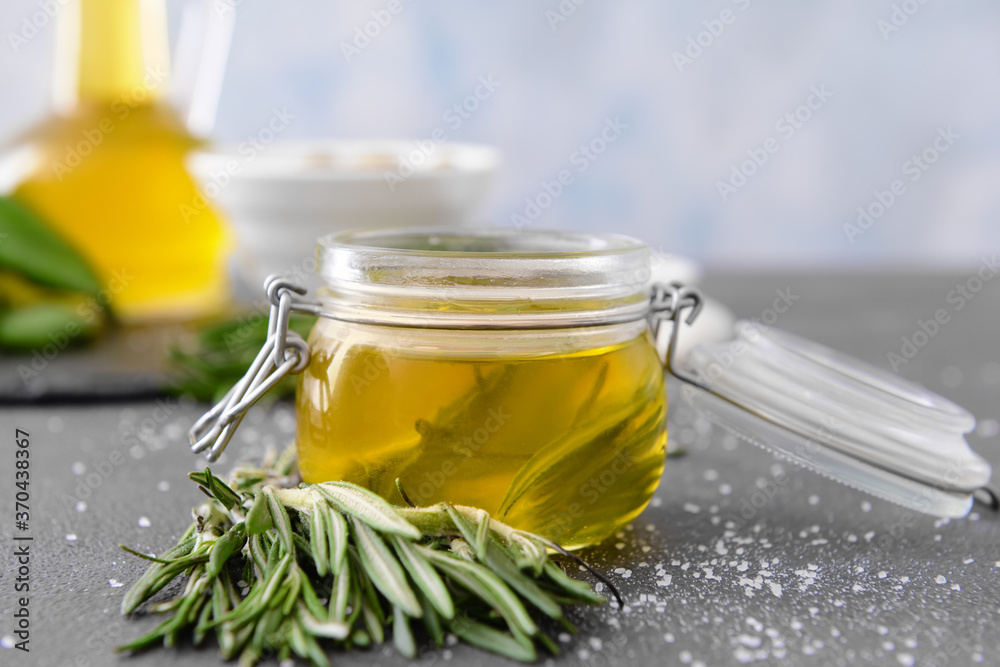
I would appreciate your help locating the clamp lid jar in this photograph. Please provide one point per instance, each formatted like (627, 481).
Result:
(508, 371)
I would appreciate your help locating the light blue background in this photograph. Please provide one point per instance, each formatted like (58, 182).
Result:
(685, 128)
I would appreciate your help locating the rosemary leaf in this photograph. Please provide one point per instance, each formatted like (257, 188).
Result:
(384, 570)
(331, 629)
(336, 531)
(503, 565)
(493, 640)
(487, 586)
(224, 548)
(426, 578)
(318, 541)
(340, 594)
(143, 589)
(280, 518)
(432, 622)
(402, 635)
(259, 517)
(365, 506)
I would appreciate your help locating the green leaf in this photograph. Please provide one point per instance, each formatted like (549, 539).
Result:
(336, 532)
(486, 585)
(432, 621)
(30, 247)
(402, 635)
(224, 547)
(221, 491)
(368, 507)
(331, 629)
(282, 524)
(318, 540)
(215, 486)
(373, 622)
(425, 576)
(31, 326)
(340, 595)
(492, 640)
(259, 517)
(384, 570)
(503, 565)
(581, 590)
(468, 529)
(143, 588)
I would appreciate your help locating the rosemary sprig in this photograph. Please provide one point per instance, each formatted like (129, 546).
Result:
(282, 571)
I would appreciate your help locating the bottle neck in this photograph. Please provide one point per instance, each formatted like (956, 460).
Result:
(110, 50)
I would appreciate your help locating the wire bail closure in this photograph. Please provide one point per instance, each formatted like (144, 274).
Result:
(666, 304)
(284, 352)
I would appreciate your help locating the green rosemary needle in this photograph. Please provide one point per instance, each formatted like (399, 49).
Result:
(277, 571)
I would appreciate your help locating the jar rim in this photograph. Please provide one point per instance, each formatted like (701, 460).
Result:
(509, 243)
(459, 276)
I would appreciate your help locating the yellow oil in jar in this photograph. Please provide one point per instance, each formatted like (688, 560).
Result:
(569, 444)
(108, 170)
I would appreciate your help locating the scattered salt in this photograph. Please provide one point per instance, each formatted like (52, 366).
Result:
(748, 640)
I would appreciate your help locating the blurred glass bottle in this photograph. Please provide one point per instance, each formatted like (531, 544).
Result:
(107, 169)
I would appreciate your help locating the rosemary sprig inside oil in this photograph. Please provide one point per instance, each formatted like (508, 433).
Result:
(294, 571)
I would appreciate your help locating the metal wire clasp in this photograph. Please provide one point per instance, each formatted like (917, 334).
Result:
(284, 352)
(666, 304)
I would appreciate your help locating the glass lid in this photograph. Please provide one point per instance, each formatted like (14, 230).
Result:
(839, 416)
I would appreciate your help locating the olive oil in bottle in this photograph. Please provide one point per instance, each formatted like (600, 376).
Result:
(107, 171)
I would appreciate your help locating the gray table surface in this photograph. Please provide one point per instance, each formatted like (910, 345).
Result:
(818, 575)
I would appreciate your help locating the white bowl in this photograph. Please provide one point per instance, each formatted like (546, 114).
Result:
(283, 197)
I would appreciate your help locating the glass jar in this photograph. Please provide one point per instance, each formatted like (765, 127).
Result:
(511, 371)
